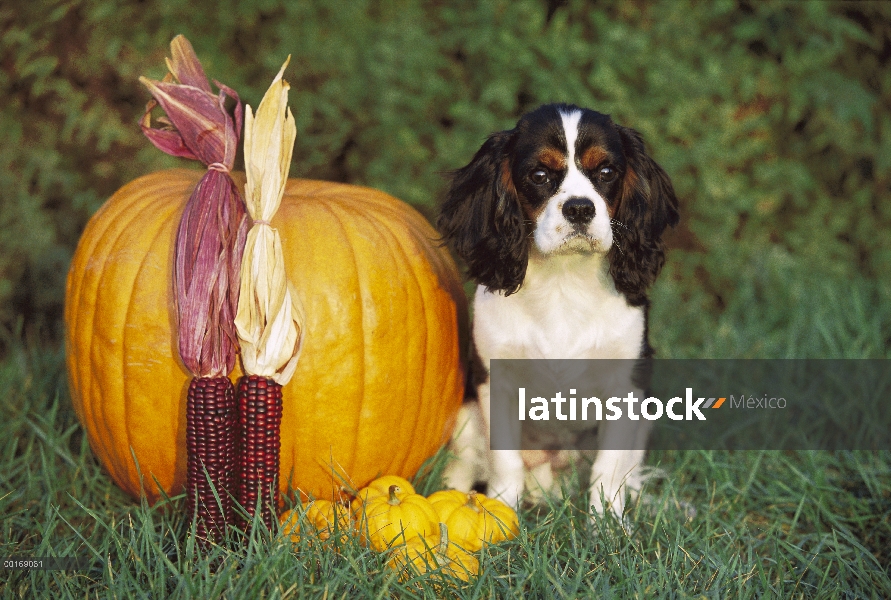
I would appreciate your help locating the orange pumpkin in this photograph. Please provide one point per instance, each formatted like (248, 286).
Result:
(379, 379)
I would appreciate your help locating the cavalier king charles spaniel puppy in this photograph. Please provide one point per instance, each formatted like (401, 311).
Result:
(560, 224)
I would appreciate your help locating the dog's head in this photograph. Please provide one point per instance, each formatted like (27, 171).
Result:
(564, 180)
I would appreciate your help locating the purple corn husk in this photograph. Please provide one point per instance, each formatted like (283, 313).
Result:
(213, 229)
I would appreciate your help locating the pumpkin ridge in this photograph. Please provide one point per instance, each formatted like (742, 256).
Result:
(326, 205)
(436, 295)
(130, 461)
(441, 260)
(73, 287)
(442, 264)
(147, 468)
(431, 357)
(375, 200)
(408, 457)
(418, 229)
(123, 229)
(77, 280)
(433, 249)
(103, 434)
(397, 248)
(397, 460)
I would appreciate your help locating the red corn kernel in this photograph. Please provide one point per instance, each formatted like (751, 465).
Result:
(210, 441)
(259, 402)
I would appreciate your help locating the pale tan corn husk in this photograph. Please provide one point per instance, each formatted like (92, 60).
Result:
(269, 319)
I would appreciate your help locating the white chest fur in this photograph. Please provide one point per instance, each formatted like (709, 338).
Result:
(568, 307)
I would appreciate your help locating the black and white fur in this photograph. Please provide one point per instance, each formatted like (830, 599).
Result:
(560, 223)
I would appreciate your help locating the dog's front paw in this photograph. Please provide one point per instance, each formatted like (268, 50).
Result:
(471, 462)
(614, 474)
(508, 477)
(605, 499)
(508, 492)
(539, 483)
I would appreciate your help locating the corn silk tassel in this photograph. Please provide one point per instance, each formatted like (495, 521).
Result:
(207, 263)
(268, 320)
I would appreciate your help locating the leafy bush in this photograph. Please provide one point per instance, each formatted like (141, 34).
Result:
(771, 117)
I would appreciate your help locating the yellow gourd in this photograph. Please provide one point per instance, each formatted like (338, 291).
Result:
(380, 487)
(326, 517)
(396, 519)
(475, 520)
(418, 557)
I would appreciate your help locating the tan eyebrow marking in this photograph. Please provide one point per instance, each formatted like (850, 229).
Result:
(592, 157)
(552, 159)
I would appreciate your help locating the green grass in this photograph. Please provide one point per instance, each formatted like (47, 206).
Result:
(784, 525)
(718, 525)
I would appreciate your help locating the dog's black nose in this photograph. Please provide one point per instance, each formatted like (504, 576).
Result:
(578, 211)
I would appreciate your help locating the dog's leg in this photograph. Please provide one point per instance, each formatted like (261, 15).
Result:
(507, 472)
(506, 483)
(616, 472)
(469, 445)
(539, 480)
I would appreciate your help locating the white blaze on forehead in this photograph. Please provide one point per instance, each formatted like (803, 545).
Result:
(575, 184)
(571, 129)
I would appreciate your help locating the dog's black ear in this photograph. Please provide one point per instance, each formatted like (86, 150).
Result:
(482, 221)
(646, 207)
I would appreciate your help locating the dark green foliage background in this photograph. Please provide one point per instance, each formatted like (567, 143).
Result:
(771, 117)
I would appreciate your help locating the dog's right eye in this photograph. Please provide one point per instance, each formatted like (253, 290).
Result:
(539, 177)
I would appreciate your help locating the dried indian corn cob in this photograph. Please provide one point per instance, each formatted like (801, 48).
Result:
(207, 263)
(268, 319)
(259, 443)
(210, 445)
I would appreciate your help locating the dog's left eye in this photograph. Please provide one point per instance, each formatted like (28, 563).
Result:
(539, 177)
(606, 174)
